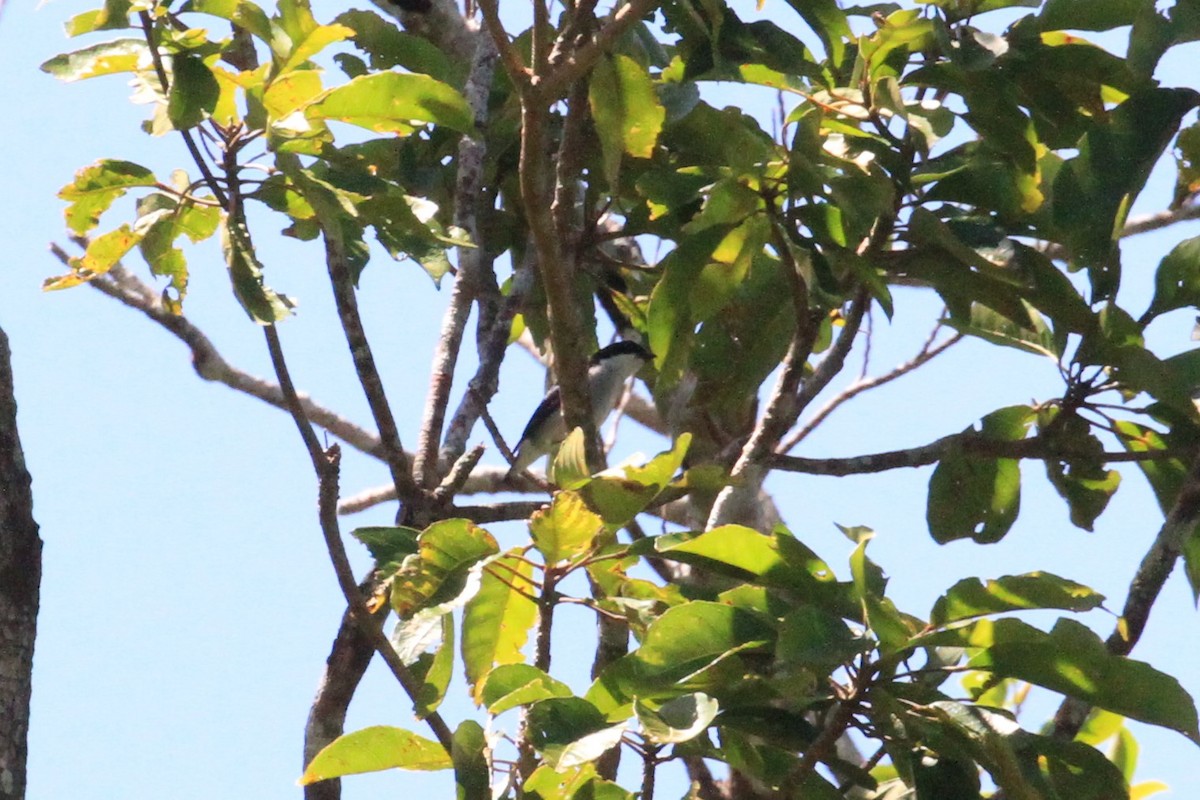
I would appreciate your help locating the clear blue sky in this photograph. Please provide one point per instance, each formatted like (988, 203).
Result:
(187, 603)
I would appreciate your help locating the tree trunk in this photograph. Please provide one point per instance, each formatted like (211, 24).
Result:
(20, 577)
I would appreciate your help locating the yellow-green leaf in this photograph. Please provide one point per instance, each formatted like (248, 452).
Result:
(106, 58)
(96, 187)
(373, 749)
(566, 530)
(497, 620)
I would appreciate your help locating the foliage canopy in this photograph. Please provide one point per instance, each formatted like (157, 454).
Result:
(993, 164)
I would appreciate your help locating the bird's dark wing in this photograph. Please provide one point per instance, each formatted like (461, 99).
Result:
(549, 406)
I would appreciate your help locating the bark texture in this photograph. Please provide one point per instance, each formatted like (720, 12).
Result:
(20, 578)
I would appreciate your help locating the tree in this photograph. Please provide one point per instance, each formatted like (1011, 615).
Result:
(914, 147)
(21, 569)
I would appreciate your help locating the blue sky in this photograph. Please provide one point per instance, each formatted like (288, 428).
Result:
(187, 603)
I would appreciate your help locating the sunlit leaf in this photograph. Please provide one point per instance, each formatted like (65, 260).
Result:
(96, 187)
(566, 530)
(374, 749)
(511, 685)
(392, 102)
(496, 621)
(449, 552)
(677, 720)
(106, 58)
(972, 597)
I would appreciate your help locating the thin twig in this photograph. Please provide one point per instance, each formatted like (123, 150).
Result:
(928, 352)
(368, 376)
(833, 362)
(161, 71)
(457, 477)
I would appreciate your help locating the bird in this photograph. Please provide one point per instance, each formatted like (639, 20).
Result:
(608, 370)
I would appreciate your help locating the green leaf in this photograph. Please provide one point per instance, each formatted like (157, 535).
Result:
(685, 641)
(263, 304)
(106, 58)
(435, 669)
(570, 731)
(569, 469)
(978, 498)
(626, 110)
(161, 220)
(511, 685)
(496, 621)
(310, 43)
(1074, 661)
(393, 102)
(373, 749)
(472, 772)
(829, 22)
(971, 597)
(679, 719)
(114, 15)
(389, 47)
(1094, 191)
(1177, 281)
(810, 636)
(449, 552)
(620, 499)
(991, 326)
(389, 545)
(96, 187)
(572, 783)
(992, 739)
(243, 13)
(883, 618)
(778, 560)
(101, 255)
(566, 530)
(194, 92)
(1086, 15)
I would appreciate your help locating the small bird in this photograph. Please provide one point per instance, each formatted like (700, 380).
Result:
(608, 370)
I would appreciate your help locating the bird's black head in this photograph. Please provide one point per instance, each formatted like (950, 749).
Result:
(622, 349)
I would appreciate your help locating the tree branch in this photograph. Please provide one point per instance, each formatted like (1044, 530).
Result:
(119, 284)
(556, 269)
(437, 21)
(471, 280)
(368, 375)
(1139, 225)
(577, 64)
(970, 443)
(748, 473)
(514, 65)
(328, 496)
